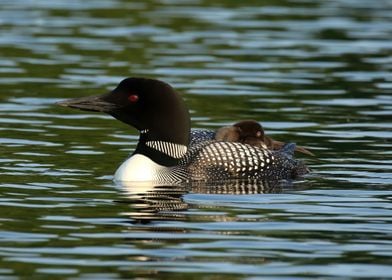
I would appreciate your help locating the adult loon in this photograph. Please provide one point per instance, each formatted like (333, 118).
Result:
(164, 154)
(252, 133)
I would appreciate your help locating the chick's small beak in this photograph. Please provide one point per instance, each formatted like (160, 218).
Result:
(90, 103)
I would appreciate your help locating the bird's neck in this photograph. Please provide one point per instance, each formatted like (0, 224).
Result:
(164, 146)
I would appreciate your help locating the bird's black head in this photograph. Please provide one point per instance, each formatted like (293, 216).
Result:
(146, 104)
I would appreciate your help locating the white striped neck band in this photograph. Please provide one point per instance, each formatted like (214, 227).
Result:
(171, 149)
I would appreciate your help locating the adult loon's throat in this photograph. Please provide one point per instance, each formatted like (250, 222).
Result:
(160, 150)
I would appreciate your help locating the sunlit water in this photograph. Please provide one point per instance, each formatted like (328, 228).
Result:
(317, 73)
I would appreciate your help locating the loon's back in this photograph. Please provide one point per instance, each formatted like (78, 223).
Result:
(216, 160)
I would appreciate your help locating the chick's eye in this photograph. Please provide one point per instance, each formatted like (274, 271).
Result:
(133, 98)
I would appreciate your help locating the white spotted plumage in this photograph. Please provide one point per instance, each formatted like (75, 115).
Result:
(223, 160)
(211, 160)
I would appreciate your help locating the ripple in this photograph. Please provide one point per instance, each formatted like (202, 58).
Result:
(84, 152)
(23, 142)
(7, 236)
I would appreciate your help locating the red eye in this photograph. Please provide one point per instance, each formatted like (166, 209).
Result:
(133, 98)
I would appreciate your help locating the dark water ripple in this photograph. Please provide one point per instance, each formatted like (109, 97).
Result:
(312, 72)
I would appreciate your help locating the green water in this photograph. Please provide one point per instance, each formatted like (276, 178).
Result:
(317, 73)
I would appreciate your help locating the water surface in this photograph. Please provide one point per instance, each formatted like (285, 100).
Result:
(317, 73)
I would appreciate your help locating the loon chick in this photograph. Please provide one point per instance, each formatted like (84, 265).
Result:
(252, 133)
(163, 153)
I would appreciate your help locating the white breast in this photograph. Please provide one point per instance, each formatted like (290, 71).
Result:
(139, 168)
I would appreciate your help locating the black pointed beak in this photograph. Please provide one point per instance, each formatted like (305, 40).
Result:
(91, 103)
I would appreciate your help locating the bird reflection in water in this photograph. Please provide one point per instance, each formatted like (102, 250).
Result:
(152, 202)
